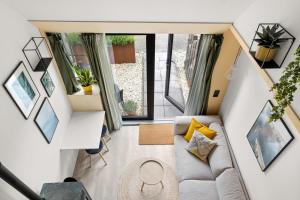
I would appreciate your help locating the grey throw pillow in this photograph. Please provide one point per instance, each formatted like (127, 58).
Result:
(200, 145)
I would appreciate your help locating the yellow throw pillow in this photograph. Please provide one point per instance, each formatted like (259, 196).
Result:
(207, 132)
(194, 125)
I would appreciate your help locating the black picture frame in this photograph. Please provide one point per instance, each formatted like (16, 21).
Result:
(26, 79)
(261, 150)
(41, 124)
(47, 83)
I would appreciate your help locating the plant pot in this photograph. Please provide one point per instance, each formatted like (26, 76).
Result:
(88, 89)
(132, 113)
(124, 54)
(265, 54)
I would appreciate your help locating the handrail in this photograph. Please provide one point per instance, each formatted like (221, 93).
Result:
(15, 182)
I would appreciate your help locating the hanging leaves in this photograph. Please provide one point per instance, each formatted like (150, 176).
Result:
(286, 87)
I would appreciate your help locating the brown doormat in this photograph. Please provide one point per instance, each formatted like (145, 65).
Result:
(156, 134)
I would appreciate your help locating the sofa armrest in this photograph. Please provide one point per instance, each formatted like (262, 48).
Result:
(181, 123)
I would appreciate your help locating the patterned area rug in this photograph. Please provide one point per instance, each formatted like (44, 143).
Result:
(130, 184)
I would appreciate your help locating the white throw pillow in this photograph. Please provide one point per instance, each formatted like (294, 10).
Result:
(200, 145)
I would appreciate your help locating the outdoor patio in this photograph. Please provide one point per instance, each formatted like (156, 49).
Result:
(131, 77)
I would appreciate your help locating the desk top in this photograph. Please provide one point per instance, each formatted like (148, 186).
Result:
(84, 130)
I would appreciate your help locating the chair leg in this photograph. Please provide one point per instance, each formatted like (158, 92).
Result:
(108, 137)
(103, 159)
(106, 147)
(90, 161)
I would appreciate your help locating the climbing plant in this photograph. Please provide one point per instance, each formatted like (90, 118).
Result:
(286, 87)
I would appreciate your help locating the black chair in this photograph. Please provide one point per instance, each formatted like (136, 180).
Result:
(118, 94)
(96, 151)
(105, 136)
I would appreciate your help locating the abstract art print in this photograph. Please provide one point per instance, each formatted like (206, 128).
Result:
(22, 89)
(268, 139)
(48, 83)
(46, 120)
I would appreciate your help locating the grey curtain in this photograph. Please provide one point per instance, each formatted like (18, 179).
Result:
(96, 50)
(208, 51)
(63, 62)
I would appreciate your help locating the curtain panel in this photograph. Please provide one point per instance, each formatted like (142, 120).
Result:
(95, 46)
(207, 54)
(64, 64)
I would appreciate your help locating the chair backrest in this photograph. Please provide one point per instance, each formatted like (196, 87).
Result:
(118, 94)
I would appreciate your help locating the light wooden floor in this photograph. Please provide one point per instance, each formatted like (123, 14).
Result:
(102, 182)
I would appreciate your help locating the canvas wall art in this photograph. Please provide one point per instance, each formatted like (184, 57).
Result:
(46, 120)
(268, 140)
(47, 83)
(22, 89)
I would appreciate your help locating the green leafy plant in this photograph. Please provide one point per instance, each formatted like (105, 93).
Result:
(73, 39)
(120, 40)
(84, 76)
(130, 106)
(286, 87)
(270, 36)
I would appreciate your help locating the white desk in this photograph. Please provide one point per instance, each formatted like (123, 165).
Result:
(84, 130)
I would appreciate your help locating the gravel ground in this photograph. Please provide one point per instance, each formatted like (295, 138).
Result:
(129, 77)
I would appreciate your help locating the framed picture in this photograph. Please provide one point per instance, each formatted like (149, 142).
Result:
(268, 139)
(46, 120)
(47, 83)
(22, 89)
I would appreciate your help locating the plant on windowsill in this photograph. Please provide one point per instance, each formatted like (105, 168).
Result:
(268, 42)
(286, 87)
(130, 107)
(123, 48)
(85, 78)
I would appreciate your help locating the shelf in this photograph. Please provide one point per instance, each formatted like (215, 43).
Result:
(95, 91)
(43, 65)
(265, 65)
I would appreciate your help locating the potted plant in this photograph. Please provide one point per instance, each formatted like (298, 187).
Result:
(85, 78)
(123, 48)
(268, 42)
(286, 87)
(130, 107)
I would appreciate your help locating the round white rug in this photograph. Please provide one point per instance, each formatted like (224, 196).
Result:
(130, 184)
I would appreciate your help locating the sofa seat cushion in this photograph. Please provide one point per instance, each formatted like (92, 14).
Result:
(188, 166)
(219, 158)
(229, 186)
(198, 190)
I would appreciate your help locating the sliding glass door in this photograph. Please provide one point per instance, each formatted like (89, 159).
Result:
(132, 61)
(181, 56)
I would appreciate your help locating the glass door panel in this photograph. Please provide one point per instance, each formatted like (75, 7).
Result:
(129, 60)
(180, 65)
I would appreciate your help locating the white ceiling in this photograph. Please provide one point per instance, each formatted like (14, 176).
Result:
(131, 10)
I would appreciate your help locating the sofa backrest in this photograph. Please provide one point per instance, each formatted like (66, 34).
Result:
(229, 186)
(181, 123)
(219, 159)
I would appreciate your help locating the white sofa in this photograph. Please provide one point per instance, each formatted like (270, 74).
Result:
(215, 180)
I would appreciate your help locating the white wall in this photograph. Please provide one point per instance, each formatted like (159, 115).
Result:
(23, 150)
(132, 10)
(246, 95)
(274, 11)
